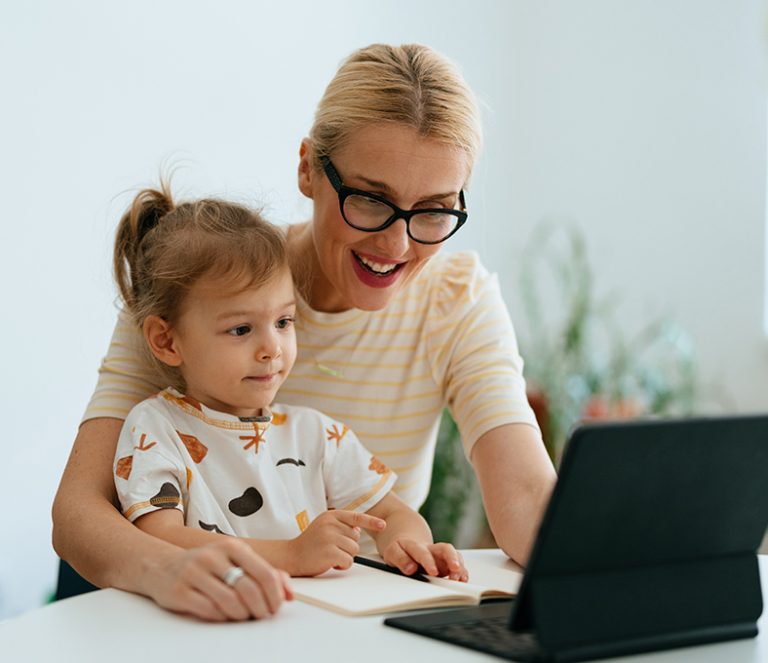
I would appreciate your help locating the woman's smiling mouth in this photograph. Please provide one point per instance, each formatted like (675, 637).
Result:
(374, 273)
(378, 268)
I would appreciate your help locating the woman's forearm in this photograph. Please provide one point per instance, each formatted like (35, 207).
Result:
(88, 531)
(516, 478)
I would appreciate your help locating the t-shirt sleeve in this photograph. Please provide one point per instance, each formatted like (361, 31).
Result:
(126, 375)
(355, 480)
(149, 475)
(473, 350)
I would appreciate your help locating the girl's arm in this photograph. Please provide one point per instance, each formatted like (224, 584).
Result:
(330, 540)
(406, 542)
(106, 549)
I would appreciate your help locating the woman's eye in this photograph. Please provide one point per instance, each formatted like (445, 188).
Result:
(364, 204)
(283, 323)
(240, 330)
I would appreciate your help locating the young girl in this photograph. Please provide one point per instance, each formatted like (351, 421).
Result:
(208, 283)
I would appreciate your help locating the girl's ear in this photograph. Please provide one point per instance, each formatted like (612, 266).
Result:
(162, 340)
(306, 171)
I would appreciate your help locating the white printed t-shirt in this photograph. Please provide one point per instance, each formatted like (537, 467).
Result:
(261, 477)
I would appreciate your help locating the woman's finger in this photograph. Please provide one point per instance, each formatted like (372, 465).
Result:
(198, 605)
(259, 591)
(225, 598)
(271, 583)
(178, 590)
(253, 597)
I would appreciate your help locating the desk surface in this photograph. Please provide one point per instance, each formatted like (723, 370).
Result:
(114, 626)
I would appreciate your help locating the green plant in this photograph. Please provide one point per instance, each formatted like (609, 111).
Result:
(579, 363)
(453, 494)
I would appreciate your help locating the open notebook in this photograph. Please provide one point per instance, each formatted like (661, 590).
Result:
(362, 590)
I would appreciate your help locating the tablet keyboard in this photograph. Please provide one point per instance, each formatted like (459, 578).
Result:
(491, 635)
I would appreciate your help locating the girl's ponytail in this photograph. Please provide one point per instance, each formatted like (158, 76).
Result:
(133, 234)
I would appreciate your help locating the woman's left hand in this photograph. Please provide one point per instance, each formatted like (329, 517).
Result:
(436, 559)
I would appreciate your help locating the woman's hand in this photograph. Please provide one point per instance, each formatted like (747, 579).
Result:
(330, 541)
(191, 582)
(437, 559)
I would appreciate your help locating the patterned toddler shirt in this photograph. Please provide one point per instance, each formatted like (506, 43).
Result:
(264, 477)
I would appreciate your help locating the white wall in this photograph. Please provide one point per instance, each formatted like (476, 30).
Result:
(644, 122)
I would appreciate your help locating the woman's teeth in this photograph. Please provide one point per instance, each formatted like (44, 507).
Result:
(377, 267)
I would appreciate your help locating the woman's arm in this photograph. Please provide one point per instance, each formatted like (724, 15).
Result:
(106, 549)
(516, 479)
(88, 531)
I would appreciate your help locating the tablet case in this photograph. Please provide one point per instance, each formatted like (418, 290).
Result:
(649, 540)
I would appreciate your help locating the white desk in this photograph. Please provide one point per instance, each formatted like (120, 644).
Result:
(111, 626)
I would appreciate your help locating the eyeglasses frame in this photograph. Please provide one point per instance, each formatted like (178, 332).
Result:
(345, 191)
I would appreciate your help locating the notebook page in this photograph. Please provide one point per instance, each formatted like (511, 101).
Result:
(362, 590)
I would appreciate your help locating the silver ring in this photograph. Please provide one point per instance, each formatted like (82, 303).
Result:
(233, 574)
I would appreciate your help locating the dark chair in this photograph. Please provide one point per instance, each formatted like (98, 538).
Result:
(70, 583)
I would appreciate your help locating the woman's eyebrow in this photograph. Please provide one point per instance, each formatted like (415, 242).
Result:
(375, 185)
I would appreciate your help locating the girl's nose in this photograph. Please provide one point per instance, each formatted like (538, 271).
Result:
(269, 348)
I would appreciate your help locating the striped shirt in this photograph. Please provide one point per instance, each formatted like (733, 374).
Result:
(445, 339)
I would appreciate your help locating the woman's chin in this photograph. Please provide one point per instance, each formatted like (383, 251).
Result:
(370, 291)
(368, 298)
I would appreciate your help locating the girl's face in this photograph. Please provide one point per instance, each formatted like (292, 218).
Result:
(236, 350)
(365, 270)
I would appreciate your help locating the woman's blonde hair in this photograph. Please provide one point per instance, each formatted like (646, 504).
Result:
(411, 85)
(163, 248)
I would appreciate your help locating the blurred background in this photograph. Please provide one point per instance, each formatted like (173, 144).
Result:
(621, 196)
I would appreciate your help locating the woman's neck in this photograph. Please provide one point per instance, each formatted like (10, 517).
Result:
(310, 281)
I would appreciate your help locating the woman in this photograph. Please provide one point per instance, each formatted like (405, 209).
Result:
(388, 332)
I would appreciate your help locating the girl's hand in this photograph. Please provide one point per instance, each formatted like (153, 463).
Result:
(191, 582)
(436, 559)
(330, 541)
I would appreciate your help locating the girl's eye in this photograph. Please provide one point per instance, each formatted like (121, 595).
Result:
(284, 323)
(240, 330)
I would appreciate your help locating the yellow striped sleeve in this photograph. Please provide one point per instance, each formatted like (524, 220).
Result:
(126, 376)
(477, 355)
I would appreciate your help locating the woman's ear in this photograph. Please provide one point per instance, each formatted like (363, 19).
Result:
(162, 340)
(306, 170)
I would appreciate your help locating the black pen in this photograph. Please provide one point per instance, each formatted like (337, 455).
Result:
(389, 569)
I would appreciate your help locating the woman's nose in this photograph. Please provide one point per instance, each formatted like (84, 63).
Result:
(394, 240)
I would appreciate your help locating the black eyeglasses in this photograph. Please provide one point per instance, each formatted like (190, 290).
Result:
(371, 213)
